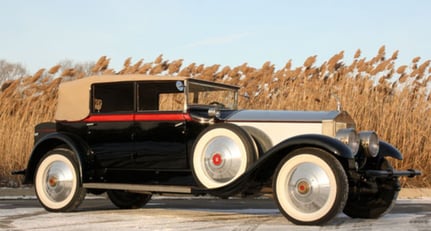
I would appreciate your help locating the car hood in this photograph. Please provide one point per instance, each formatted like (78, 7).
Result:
(287, 116)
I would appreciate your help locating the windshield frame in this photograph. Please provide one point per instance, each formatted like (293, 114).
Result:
(216, 86)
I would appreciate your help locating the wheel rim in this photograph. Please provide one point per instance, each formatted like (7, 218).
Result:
(56, 182)
(222, 159)
(306, 187)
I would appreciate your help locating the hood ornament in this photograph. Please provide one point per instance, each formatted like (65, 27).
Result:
(339, 107)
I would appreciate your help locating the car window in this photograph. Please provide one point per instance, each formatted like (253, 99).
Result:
(160, 96)
(113, 97)
(171, 102)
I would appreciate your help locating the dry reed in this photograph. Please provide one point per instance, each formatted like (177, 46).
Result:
(394, 101)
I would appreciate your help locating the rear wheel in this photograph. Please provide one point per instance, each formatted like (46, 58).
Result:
(310, 186)
(221, 154)
(127, 200)
(57, 181)
(375, 206)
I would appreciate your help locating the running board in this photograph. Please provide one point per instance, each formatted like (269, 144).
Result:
(140, 188)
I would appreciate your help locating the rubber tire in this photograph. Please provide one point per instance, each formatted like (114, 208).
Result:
(127, 200)
(378, 205)
(338, 186)
(77, 194)
(248, 153)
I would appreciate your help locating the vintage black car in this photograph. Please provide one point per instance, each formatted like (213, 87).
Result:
(134, 135)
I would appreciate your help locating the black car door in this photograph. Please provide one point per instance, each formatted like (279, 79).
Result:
(160, 126)
(110, 125)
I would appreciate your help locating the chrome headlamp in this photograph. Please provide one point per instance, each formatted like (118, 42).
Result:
(214, 112)
(370, 143)
(349, 137)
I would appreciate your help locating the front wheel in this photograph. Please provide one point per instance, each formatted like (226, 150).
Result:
(310, 186)
(57, 181)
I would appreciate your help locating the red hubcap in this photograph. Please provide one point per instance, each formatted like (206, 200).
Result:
(52, 181)
(217, 160)
(303, 187)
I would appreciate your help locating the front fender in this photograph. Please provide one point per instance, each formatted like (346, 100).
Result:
(272, 158)
(386, 149)
(327, 143)
(51, 141)
(263, 169)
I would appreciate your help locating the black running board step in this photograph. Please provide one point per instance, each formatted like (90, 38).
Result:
(140, 188)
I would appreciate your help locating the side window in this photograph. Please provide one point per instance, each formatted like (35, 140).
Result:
(160, 96)
(171, 102)
(113, 97)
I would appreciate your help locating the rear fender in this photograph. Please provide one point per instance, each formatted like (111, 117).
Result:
(51, 141)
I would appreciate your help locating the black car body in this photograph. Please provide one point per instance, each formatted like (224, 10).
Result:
(135, 135)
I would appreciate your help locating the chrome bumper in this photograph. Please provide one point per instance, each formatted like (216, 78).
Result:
(392, 173)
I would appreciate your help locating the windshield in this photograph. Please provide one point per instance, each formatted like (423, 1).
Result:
(208, 94)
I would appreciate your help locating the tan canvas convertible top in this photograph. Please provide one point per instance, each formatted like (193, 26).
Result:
(74, 96)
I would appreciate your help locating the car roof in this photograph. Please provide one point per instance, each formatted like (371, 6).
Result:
(74, 96)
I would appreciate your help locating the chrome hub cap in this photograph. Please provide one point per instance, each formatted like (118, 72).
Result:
(222, 159)
(308, 187)
(59, 181)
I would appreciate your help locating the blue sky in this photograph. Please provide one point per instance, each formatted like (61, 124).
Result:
(42, 33)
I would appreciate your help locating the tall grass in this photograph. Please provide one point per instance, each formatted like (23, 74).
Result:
(392, 100)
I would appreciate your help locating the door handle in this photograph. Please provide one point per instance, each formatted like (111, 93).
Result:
(90, 124)
(179, 124)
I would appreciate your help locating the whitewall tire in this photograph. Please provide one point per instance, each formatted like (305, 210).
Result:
(57, 181)
(310, 186)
